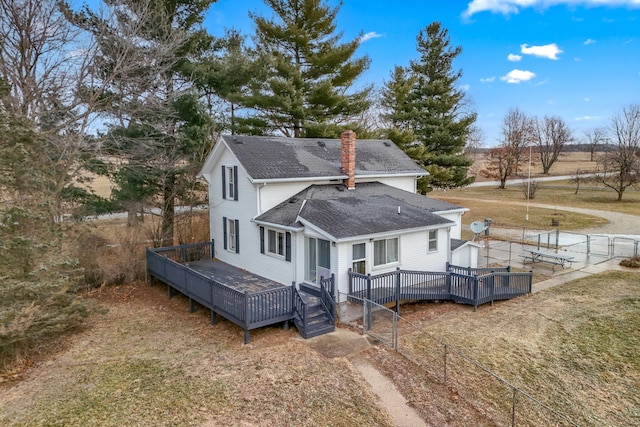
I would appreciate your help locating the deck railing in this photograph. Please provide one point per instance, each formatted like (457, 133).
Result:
(187, 253)
(459, 284)
(327, 288)
(248, 310)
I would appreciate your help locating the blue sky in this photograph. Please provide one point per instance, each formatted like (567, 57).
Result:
(576, 59)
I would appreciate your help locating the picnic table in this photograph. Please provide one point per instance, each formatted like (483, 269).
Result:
(537, 255)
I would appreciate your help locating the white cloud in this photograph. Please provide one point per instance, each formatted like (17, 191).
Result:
(516, 76)
(465, 88)
(509, 7)
(549, 51)
(587, 118)
(514, 58)
(370, 35)
(587, 99)
(488, 79)
(589, 41)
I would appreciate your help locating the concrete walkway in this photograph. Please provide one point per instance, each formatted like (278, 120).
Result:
(588, 270)
(347, 343)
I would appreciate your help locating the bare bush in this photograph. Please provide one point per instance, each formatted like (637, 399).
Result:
(529, 189)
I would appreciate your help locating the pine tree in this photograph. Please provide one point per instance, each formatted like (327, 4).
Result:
(309, 74)
(158, 124)
(435, 111)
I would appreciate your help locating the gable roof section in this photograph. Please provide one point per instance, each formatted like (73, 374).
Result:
(370, 208)
(277, 158)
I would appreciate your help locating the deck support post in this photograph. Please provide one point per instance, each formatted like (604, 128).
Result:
(285, 325)
(192, 306)
(169, 291)
(214, 317)
(246, 336)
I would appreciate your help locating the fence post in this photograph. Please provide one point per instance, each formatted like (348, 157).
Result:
(539, 235)
(513, 408)
(398, 273)
(445, 364)
(557, 239)
(368, 302)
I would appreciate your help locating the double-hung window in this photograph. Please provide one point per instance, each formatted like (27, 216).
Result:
(359, 258)
(231, 238)
(433, 241)
(385, 251)
(275, 243)
(230, 182)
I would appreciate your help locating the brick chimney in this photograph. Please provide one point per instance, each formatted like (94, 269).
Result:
(348, 158)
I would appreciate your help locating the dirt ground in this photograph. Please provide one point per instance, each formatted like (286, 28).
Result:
(145, 360)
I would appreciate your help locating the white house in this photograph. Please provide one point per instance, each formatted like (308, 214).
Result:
(293, 210)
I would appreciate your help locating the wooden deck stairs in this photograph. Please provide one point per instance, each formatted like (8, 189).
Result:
(316, 319)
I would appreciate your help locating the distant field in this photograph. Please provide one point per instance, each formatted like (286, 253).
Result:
(567, 164)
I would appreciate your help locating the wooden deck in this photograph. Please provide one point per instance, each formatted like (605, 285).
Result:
(461, 285)
(246, 299)
(236, 278)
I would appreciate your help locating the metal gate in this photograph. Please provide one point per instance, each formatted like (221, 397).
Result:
(380, 323)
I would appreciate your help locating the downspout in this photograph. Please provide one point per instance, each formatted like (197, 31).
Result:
(449, 258)
(258, 198)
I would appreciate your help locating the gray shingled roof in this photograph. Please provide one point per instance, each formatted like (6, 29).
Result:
(456, 243)
(370, 208)
(276, 158)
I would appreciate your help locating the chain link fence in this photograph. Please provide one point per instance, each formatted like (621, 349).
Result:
(587, 248)
(501, 401)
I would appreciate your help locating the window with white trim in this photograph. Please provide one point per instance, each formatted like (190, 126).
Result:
(433, 241)
(359, 258)
(231, 234)
(230, 182)
(385, 251)
(276, 243)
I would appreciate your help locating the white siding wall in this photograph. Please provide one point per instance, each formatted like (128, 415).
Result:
(466, 256)
(456, 230)
(244, 209)
(413, 256)
(275, 193)
(406, 183)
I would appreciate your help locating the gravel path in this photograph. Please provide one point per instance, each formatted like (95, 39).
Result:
(620, 224)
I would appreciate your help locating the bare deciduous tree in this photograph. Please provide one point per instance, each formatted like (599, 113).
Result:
(621, 164)
(550, 135)
(594, 138)
(506, 160)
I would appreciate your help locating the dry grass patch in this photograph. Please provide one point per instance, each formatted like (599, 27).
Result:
(150, 362)
(556, 193)
(505, 215)
(574, 347)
